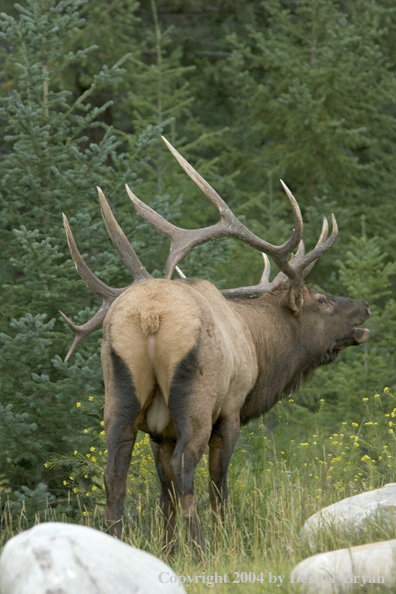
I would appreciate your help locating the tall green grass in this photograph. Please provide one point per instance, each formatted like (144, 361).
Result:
(277, 481)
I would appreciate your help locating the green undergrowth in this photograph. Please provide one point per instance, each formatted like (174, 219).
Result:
(277, 481)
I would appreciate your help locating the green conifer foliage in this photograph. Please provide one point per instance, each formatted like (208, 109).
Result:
(362, 371)
(313, 93)
(48, 166)
(57, 148)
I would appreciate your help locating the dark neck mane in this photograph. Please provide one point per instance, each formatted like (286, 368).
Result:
(276, 334)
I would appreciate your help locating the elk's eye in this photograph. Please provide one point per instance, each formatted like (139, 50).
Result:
(321, 300)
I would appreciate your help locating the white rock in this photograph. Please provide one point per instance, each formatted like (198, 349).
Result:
(354, 513)
(56, 558)
(339, 571)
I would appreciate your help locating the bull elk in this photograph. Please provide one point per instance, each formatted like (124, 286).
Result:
(189, 364)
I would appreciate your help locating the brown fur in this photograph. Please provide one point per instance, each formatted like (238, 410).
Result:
(194, 366)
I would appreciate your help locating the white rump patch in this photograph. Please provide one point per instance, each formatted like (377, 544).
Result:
(150, 345)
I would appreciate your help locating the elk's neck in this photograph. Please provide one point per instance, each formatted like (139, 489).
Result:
(283, 361)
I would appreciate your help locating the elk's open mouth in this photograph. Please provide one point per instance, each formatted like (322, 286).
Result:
(360, 335)
(357, 336)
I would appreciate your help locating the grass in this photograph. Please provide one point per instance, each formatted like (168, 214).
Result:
(276, 483)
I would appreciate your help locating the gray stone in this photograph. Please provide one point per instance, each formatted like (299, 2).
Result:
(56, 558)
(354, 513)
(339, 571)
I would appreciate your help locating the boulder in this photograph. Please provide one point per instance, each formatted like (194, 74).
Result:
(354, 513)
(56, 558)
(340, 571)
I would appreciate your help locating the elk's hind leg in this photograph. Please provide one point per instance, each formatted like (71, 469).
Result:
(123, 415)
(191, 414)
(162, 455)
(221, 445)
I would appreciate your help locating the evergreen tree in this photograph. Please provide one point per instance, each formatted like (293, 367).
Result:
(359, 372)
(49, 166)
(313, 95)
(58, 147)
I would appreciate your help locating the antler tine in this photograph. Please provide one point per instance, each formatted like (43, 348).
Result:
(264, 285)
(234, 227)
(107, 293)
(202, 184)
(323, 244)
(91, 280)
(322, 238)
(83, 331)
(256, 290)
(180, 272)
(302, 264)
(121, 243)
(183, 240)
(267, 269)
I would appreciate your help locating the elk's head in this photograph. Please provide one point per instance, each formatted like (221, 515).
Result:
(329, 324)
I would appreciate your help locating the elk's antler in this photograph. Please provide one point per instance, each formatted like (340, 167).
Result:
(183, 240)
(108, 294)
(301, 263)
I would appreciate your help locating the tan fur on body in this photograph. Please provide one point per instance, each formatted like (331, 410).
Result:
(177, 317)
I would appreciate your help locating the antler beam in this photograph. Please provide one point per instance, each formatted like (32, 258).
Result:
(120, 242)
(183, 240)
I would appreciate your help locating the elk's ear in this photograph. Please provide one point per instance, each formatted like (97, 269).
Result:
(295, 299)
